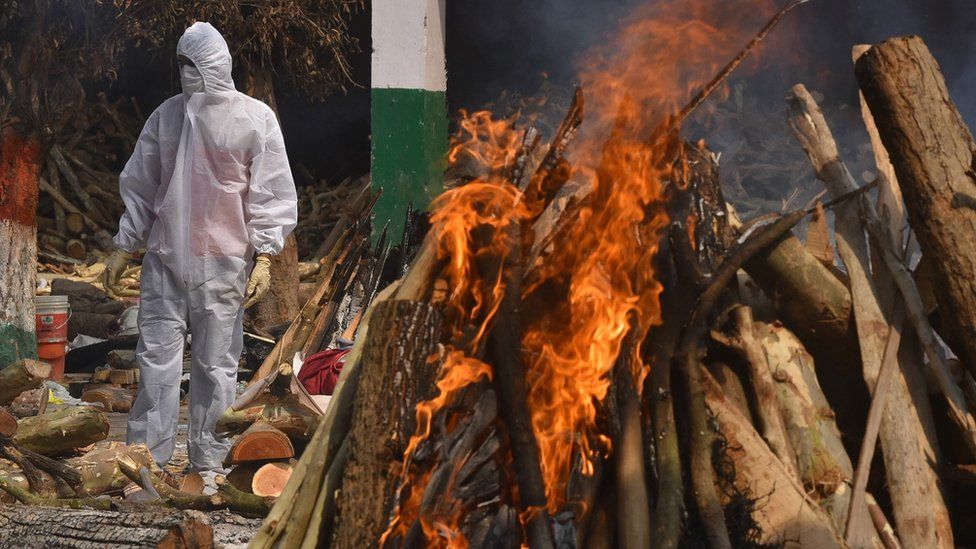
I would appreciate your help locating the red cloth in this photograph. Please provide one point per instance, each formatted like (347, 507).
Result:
(320, 372)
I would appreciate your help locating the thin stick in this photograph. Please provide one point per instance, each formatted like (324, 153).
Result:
(722, 75)
(882, 387)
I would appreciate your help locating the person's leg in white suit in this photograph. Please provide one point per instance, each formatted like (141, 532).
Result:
(162, 334)
(217, 339)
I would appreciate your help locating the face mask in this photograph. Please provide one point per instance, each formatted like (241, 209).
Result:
(191, 79)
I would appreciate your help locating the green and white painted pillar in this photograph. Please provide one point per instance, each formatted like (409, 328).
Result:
(409, 107)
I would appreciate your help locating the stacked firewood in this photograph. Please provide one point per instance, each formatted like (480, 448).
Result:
(763, 387)
(80, 178)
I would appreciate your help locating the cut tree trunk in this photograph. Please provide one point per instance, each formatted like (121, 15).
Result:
(30, 526)
(270, 479)
(20, 168)
(56, 432)
(397, 375)
(23, 375)
(746, 342)
(908, 445)
(8, 423)
(260, 442)
(932, 152)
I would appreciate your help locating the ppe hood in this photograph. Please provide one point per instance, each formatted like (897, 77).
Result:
(203, 44)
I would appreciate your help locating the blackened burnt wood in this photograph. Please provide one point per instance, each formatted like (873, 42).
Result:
(549, 178)
(504, 344)
(397, 374)
(931, 149)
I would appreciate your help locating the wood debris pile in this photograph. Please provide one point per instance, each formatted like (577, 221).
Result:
(774, 373)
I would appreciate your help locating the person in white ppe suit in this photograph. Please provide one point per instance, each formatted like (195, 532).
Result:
(209, 193)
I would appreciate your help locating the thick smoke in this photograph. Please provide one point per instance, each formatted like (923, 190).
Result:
(524, 49)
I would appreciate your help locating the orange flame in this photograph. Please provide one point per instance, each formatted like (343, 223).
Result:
(602, 260)
(469, 224)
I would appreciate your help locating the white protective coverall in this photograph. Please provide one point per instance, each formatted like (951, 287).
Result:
(207, 187)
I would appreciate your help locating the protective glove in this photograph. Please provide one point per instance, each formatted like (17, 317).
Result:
(115, 265)
(259, 282)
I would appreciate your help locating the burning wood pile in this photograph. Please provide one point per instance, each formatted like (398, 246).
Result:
(591, 350)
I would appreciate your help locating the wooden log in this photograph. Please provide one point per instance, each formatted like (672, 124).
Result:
(280, 304)
(689, 363)
(99, 468)
(727, 377)
(241, 475)
(192, 483)
(28, 526)
(120, 359)
(769, 420)
(8, 424)
(289, 517)
(98, 325)
(113, 399)
(227, 496)
(909, 447)
(787, 514)
(260, 442)
(286, 414)
(123, 377)
(62, 430)
(23, 375)
(381, 428)
(931, 150)
(270, 479)
(75, 248)
(504, 340)
(74, 223)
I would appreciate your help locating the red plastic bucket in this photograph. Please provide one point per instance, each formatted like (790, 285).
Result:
(52, 331)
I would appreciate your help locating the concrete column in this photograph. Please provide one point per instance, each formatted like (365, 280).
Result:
(409, 107)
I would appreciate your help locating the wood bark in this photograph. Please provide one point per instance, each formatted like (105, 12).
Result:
(286, 414)
(61, 431)
(909, 448)
(787, 513)
(396, 365)
(99, 468)
(769, 421)
(23, 375)
(260, 442)
(29, 526)
(932, 152)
